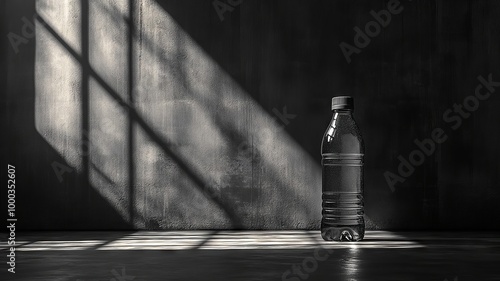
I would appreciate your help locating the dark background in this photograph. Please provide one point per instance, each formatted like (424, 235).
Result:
(280, 53)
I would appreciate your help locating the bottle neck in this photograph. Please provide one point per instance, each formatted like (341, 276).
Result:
(341, 114)
(342, 111)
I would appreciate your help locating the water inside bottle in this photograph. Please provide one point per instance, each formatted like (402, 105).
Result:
(342, 197)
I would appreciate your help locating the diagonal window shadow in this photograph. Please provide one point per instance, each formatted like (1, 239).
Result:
(269, 178)
(158, 139)
(176, 63)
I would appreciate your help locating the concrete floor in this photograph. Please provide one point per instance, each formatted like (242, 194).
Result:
(252, 255)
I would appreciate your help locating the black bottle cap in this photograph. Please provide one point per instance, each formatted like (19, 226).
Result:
(342, 102)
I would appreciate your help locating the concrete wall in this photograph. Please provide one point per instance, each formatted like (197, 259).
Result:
(151, 114)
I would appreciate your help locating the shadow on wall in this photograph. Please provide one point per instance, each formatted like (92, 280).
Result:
(158, 128)
(43, 200)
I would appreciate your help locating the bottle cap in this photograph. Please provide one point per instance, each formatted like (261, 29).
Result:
(342, 102)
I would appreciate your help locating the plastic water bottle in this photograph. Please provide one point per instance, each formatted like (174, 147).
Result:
(342, 151)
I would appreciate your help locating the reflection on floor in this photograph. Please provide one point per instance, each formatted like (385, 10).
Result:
(253, 255)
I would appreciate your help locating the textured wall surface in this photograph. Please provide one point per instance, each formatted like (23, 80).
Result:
(192, 114)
